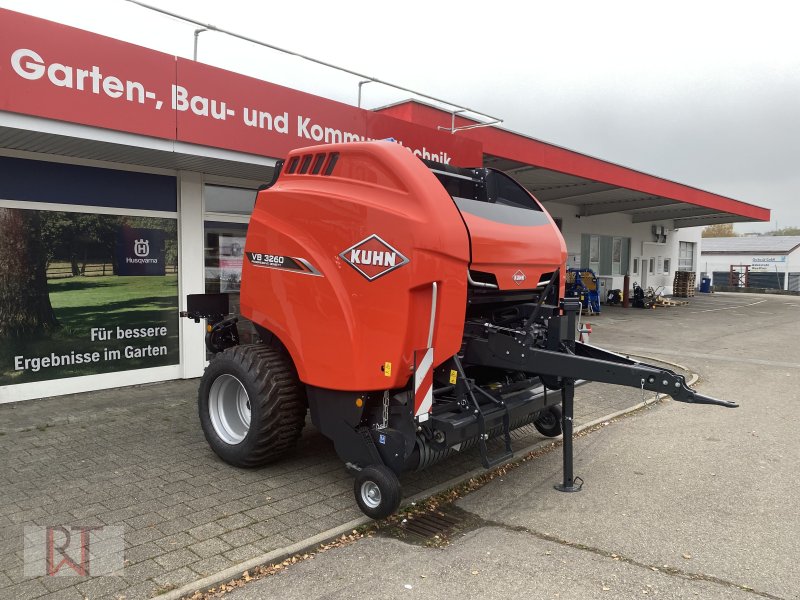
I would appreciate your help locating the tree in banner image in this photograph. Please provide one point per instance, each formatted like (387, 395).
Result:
(79, 238)
(24, 299)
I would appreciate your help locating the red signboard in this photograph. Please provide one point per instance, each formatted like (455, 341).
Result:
(59, 72)
(54, 71)
(219, 108)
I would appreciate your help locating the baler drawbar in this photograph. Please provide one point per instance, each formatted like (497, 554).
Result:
(443, 327)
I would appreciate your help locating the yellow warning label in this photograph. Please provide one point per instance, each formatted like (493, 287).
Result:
(453, 376)
(387, 369)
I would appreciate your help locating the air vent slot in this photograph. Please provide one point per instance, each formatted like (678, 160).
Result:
(319, 159)
(334, 156)
(305, 164)
(312, 164)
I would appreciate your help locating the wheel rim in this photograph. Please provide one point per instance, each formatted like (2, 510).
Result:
(370, 494)
(229, 409)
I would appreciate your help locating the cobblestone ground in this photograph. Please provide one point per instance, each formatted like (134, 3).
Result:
(136, 458)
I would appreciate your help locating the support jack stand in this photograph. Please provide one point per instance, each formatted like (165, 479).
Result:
(570, 483)
(577, 485)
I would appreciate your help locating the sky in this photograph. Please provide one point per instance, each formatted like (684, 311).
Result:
(703, 92)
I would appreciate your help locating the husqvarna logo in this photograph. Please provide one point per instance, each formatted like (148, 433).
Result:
(373, 257)
(141, 248)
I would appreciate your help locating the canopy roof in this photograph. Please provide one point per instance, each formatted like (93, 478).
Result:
(593, 186)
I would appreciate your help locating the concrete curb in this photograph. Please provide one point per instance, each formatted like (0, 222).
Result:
(277, 555)
(281, 554)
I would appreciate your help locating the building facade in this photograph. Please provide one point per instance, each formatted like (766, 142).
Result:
(768, 262)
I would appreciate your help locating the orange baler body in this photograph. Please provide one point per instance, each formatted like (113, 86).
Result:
(342, 253)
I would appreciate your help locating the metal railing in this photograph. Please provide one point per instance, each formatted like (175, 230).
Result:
(455, 109)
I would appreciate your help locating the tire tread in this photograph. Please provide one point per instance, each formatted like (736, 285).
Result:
(277, 399)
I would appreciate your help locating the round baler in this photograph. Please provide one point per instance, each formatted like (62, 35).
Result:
(413, 307)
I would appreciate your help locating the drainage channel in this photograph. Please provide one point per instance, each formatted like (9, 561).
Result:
(436, 527)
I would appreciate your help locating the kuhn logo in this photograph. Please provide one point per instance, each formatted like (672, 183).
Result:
(373, 257)
(518, 277)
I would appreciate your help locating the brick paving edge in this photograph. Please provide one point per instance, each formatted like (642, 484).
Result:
(281, 554)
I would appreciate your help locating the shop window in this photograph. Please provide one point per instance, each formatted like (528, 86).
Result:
(229, 200)
(85, 290)
(666, 266)
(85, 293)
(635, 266)
(224, 252)
(228, 211)
(652, 266)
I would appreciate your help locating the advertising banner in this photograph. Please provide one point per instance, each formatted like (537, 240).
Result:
(71, 305)
(63, 73)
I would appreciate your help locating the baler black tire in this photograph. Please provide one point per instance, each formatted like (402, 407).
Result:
(382, 479)
(548, 422)
(277, 403)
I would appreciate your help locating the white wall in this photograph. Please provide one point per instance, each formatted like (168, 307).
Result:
(642, 245)
(191, 273)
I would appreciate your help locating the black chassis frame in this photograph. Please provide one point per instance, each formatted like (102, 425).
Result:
(465, 412)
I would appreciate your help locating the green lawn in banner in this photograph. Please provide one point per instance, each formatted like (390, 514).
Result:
(111, 302)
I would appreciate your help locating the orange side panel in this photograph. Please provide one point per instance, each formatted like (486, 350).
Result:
(340, 266)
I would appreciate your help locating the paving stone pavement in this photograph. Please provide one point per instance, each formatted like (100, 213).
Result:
(135, 457)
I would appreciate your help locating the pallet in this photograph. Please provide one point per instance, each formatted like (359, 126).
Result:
(685, 275)
(670, 302)
(684, 283)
